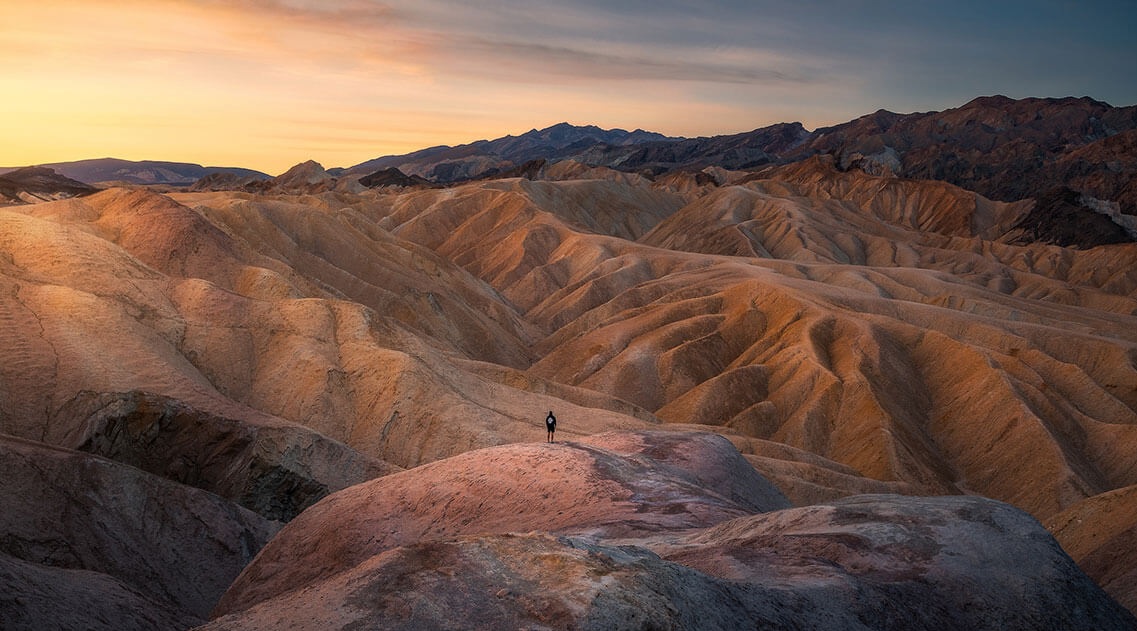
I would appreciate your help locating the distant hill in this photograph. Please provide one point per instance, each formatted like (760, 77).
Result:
(144, 172)
(37, 184)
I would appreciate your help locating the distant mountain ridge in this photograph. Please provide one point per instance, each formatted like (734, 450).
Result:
(1005, 149)
(98, 170)
(1002, 148)
(447, 164)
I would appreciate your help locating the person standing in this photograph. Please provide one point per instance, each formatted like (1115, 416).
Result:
(551, 425)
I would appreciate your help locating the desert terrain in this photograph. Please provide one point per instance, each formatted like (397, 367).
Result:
(842, 386)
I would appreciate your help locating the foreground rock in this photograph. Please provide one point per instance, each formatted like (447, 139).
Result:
(622, 533)
(35, 596)
(561, 488)
(90, 543)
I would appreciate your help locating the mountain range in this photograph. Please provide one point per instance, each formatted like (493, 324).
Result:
(1002, 148)
(116, 171)
(799, 383)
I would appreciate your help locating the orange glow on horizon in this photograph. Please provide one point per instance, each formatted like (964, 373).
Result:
(270, 83)
(266, 84)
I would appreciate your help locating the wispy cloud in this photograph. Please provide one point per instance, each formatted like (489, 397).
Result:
(233, 77)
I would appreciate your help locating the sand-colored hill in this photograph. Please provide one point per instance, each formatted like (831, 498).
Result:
(876, 339)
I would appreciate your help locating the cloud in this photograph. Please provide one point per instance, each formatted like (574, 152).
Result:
(443, 72)
(563, 61)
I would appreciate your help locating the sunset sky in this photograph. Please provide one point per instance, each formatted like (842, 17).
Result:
(268, 83)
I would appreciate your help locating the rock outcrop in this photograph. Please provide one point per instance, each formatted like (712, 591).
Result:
(623, 541)
(649, 483)
(275, 471)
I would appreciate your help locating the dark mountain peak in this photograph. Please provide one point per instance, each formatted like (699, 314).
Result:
(564, 134)
(882, 118)
(566, 126)
(995, 101)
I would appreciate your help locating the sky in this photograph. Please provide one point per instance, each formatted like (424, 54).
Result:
(266, 84)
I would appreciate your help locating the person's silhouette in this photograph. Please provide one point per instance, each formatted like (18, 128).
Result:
(551, 425)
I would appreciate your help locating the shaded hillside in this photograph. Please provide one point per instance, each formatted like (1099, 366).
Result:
(392, 177)
(1100, 533)
(1065, 217)
(134, 550)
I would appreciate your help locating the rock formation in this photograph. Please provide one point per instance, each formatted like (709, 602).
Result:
(638, 547)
